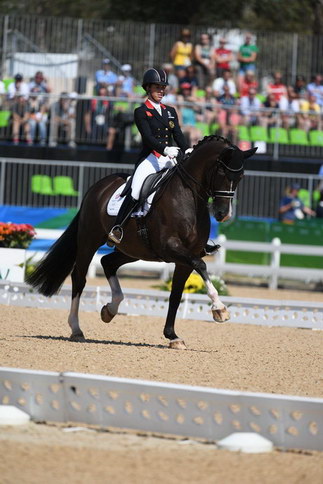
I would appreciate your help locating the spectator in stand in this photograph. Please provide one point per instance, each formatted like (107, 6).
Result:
(18, 87)
(3, 102)
(277, 87)
(121, 119)
(222, 58)
(247, 55)
(315, 88)
(270, 117)
(210, 108)
(220, 82)
(39, 112)
(228, 116)
(96, 118)
(20, 117)
(289, 107)
(125, 82)
(246, 82)
(250, 108)
(204, 60)
(39, 84)
(182, 51)
(310, 113)
(63, 123)
(190, 78)
(105, 77)
(189, 114)
(300, 87)
(291, 208)
(172, 77)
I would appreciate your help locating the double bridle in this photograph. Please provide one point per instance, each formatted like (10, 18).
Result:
(233, 175)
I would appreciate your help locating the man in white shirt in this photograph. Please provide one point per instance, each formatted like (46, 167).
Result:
(220, 82)
(250, 107)
(18, 87)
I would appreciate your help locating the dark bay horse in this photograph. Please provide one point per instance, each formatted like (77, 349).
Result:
(177, 229)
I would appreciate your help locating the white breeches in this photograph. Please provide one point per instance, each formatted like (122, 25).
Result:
(150, 165)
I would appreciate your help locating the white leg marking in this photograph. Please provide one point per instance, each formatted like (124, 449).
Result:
(73, 318)
(213, 295)
(116, 295)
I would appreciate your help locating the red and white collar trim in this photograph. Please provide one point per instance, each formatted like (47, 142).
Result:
(150, 105)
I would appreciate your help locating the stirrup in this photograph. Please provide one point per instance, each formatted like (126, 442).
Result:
(211, 248)
(114, 237)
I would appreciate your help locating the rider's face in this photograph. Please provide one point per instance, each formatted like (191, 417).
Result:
(157, 92)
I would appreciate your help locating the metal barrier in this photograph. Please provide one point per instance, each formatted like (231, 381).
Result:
(258, 193)
(211, 414)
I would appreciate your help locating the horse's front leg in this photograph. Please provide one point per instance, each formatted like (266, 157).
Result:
(111, 264)
(219, 311)
(180, 276)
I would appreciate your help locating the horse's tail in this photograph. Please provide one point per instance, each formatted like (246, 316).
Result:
(58, 263)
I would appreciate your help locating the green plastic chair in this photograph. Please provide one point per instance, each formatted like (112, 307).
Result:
(316, 138)
(278, 135)
(4, 118)
(258, 133)
(63, 185)
(203, 127)
(298, 137)
(200, 93)
(7, 81)
(138, 90)
(304, 196)
(243, 133)
(42, 185)
(213, 128)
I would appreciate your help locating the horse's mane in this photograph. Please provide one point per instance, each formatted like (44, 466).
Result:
(212, 137)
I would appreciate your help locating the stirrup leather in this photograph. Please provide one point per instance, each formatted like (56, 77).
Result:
(113, 236)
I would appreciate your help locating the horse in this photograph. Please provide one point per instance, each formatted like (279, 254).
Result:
(176, 229)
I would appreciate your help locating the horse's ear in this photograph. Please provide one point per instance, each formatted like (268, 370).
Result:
(248, 153)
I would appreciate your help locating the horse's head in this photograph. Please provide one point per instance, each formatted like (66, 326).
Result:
(226, 175)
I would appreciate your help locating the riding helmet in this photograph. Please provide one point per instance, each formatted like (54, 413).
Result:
(155, 76)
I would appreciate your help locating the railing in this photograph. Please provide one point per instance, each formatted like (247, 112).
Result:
(34, 183)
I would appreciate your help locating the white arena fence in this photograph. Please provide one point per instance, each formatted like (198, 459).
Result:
(258, 193)
(290, 422)
(263, 312)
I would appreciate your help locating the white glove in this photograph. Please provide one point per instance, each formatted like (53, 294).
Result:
(171, 151)
(188, 151)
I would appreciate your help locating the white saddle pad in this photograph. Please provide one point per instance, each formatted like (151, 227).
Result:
(116, 200)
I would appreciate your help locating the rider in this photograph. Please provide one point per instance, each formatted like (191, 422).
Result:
(158, 125)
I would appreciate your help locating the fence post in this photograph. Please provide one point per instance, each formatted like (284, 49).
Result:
(5, 46)
(275, 263)
(2, 180)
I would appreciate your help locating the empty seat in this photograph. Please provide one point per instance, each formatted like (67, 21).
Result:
(243, 133)
(203, 127)
(298, 137)
(316, 138)
(258, 133)
(63, 185)
(278, 135)
(4, 118)
(42, 185)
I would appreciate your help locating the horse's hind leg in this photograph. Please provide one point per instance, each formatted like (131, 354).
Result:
(180, 276)
(111, 264)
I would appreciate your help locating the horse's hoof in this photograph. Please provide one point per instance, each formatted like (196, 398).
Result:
(77, 337)
(221, 315)
(177, 344)
(106, 315)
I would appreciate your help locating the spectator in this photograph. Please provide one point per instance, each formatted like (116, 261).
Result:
(38, 118)
(20, 117)
(289, 107)
(125, 83)
(63, 122)
(228, 116)
(291, 208)
(310, 112)
(18, 87)
(121, 120)
(300, 87)
(210, 107)
(105, 77)
(189, 115)
(220, 82)
(172, 78)
(222, 57)
(39, 84)
(182, 51)
(319, 207)
(246, 82)
(250, 108)
(204, 60)
(190, 78)
(96, 118)
(277, 87)
(270, 116)
(315, 88)
(247, 55)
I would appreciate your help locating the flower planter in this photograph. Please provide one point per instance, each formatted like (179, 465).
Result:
(12, 264)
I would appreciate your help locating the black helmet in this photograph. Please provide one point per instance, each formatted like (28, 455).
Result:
(155, 76)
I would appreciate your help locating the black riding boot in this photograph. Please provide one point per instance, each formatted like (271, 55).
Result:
(126, 209)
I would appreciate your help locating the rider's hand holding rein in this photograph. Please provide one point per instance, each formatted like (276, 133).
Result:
(171, 151)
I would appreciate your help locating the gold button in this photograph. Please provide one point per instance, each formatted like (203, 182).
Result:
(166, 142)
(166, 129)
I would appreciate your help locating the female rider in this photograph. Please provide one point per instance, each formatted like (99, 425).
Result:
(158, 125)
